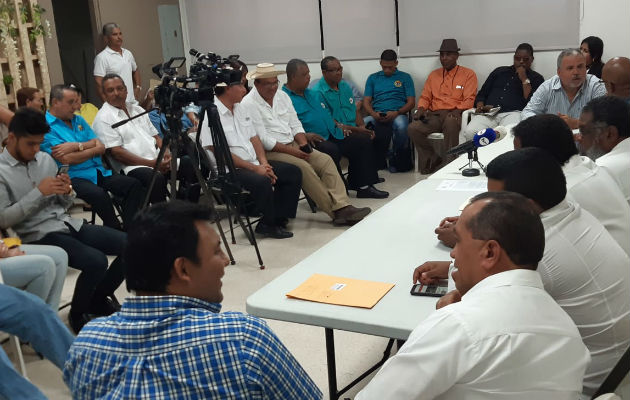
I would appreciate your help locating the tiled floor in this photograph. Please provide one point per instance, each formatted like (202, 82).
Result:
(355, 352)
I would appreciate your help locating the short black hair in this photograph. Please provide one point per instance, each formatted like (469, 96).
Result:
(532, 172)
(324, 63)
(595, 48)
(292, 67)
(548, 132)
(611, 110)
(511, 220)
(527, 47)
(28, 122)
(156, 238)
(389, 55)
(112, 76)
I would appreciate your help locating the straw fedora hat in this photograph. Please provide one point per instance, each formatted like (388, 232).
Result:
(264, 70)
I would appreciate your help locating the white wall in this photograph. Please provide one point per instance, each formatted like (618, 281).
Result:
(608, 19)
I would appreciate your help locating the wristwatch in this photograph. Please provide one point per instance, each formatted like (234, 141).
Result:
(527, 82)
(80, 146)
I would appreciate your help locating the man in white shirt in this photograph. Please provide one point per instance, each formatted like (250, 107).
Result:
(134, 146)
(487, 345)
(284, 139)
(274, 185)
(590, 186)
(114, 59)
(604, 137)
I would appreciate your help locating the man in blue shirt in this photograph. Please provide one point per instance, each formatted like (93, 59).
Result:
(170, 340)
(71, 141)
(339, 139)
(389, 96)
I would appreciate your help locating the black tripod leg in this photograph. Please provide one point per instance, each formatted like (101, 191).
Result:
(254, 242)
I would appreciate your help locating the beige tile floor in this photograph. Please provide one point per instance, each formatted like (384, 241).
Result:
(355, 352)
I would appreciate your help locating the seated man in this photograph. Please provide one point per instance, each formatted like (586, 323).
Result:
(447, 92)
(486, 345)
(27, 317)
(616, 77)
(566, 93)
(173, 327)
(71, 141)
(274, 185)
(389, 96)
(134, 146)
(357, 94)
(590, 186)
(583, 268)
(508, 87)
(337, 141)
(282, 135)
(34, 200)
(605, 138)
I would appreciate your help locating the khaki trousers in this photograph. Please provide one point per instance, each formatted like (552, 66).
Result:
(320, 179)
(446, 121)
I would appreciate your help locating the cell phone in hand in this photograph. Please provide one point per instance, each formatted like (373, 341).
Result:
(63, 169)
(306, 148)
(382, 114)
(439, 290)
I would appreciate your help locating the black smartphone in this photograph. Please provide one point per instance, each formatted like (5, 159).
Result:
(63, 169)
(382, 114)
(370, 126)
(438, 290)
(306, 148)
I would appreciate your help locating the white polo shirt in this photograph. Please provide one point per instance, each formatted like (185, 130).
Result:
(587, 274)
(238, 129)
(506, 338)
(617, 163)
(110, 61)
(597, 192)
(136, 136)
(277, 124)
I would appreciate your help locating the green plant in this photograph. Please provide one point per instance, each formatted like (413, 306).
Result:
(34, 14)
(7, 80)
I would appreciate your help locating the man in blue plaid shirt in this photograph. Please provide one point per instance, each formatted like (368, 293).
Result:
(170, 341)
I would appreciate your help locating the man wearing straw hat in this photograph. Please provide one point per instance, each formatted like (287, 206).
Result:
(283, 137)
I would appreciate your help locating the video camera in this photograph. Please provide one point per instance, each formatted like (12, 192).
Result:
(175, 92)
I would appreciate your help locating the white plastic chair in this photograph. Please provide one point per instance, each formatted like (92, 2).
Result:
(14, 342)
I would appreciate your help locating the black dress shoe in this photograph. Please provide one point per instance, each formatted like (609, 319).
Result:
(380, 180)
(275, 232)
(371, 192)
(78, 320)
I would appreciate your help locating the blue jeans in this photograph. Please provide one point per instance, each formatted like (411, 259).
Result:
(41, 271)
(396, 130)
(29, 318)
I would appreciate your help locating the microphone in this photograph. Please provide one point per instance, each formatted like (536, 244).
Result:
(482, 138)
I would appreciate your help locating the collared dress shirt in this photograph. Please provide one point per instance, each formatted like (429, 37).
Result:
(506, 338)
(238, 129)
(449, 90)
(80, 132)
(313, 113)
(136, 136)
(504, 88)
(23, 207)
(617, 163)
(389, 93)
(596, 191)
(340, 102)
(110, 61)
(176, 347)
(274, 124)
(356, 92)
(550, 98)
(586, 272)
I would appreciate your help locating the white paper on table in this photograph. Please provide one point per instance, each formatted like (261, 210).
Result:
(462, 185)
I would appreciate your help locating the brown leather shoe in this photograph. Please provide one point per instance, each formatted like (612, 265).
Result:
(431, 166)
(350, 215)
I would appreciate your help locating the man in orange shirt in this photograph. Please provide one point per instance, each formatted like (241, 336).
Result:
(447, 92)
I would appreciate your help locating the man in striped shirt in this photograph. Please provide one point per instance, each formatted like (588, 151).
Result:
(170, 341)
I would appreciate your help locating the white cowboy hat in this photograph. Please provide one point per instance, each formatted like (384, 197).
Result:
(264, 70)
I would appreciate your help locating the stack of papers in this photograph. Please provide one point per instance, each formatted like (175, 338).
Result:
(341, 291)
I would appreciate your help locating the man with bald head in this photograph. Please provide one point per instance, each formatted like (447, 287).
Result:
(616, 77)
(566, 93)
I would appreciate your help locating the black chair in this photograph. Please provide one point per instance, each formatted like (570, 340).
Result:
(614, 378)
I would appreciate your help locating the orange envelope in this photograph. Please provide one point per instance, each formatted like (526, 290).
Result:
(341, 291)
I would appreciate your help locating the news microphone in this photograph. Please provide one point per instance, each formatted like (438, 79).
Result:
(482, 138)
